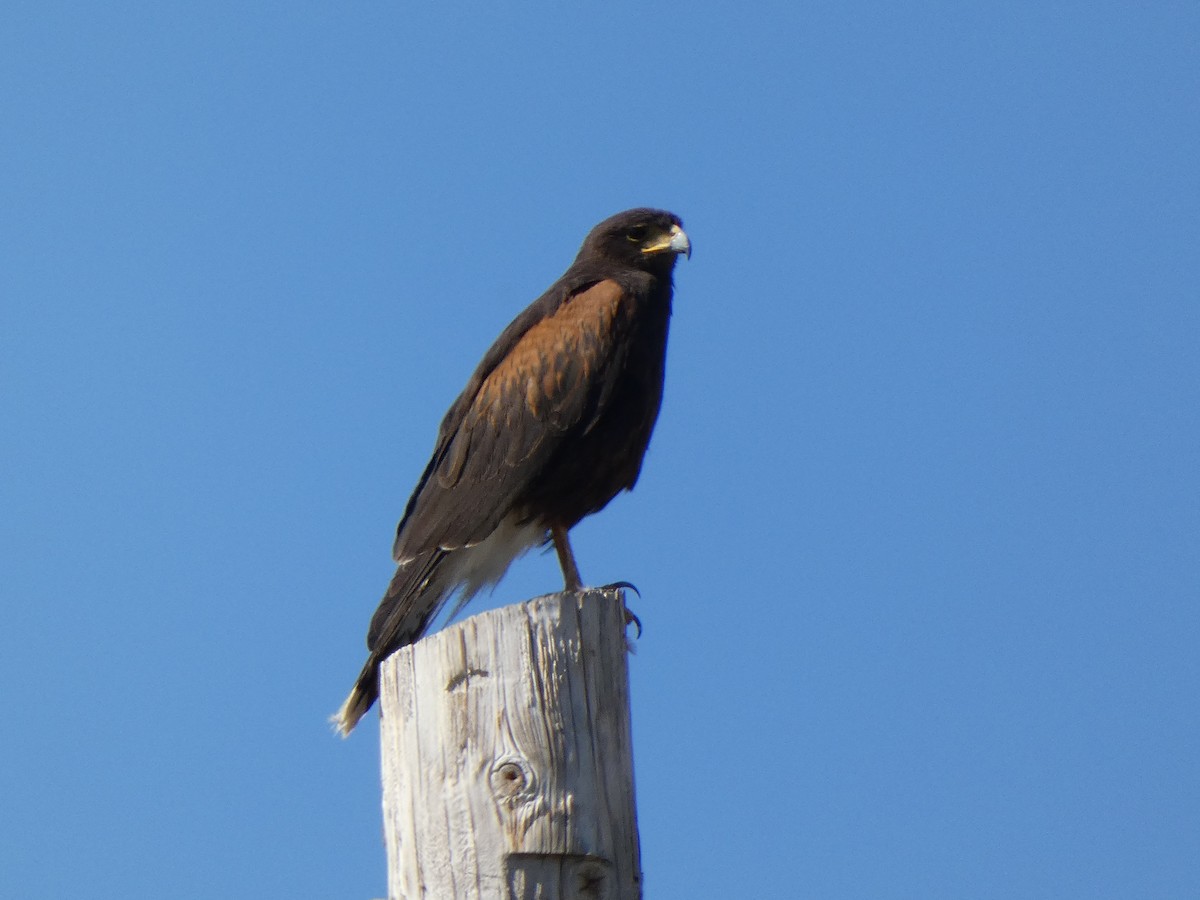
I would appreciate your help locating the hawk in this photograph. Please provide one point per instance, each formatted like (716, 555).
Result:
(551, 426)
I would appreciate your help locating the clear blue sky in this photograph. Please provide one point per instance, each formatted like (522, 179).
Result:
(918, 536)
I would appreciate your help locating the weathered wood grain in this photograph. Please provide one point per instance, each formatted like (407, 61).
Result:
(506, 756)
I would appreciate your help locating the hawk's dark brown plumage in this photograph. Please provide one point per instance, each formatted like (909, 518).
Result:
(551, 426)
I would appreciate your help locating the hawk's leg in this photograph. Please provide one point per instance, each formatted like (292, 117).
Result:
(566, 559)
(572, 583)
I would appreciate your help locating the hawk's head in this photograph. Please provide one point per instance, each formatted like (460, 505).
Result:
(647, 239)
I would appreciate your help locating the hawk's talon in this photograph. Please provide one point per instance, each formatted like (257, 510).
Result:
(631, 619)
(619, 585)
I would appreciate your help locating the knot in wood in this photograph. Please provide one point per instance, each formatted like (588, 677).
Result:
(511, 778)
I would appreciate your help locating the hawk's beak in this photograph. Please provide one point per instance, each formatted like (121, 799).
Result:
(675, 241)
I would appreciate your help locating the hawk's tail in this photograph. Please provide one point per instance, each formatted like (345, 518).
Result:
(418, 590)
(362, 696)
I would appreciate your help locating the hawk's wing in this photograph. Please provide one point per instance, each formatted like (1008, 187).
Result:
(532, 390)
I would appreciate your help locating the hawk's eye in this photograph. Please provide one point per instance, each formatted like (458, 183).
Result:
(637, 233)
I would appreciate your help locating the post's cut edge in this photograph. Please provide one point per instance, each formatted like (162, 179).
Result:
(558, 598)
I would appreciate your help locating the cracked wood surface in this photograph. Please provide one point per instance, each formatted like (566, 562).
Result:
(506, 756)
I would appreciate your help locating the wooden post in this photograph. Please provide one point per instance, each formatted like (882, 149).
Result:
(507, 760)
